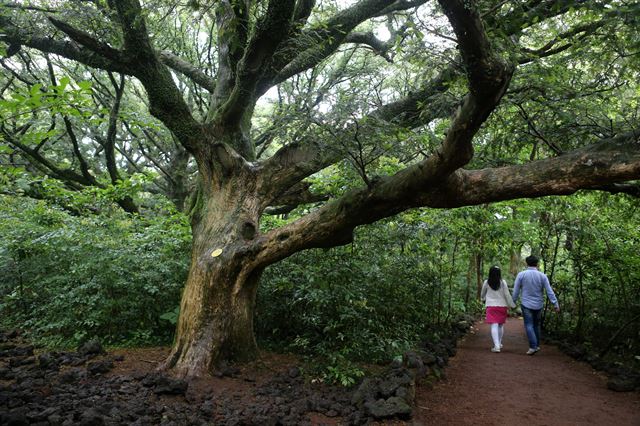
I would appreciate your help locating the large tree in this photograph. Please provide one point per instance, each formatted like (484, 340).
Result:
(492, 55)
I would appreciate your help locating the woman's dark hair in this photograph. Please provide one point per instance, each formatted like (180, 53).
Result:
(494, 277)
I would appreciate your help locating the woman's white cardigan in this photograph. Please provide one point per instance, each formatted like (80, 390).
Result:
(499, 297)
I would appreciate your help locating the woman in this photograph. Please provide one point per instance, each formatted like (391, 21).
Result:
(497, 298)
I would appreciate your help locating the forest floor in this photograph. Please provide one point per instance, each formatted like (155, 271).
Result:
(510, 387)
(479, 388)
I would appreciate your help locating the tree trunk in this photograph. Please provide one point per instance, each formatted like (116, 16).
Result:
(218, 301)
(515, 261)
(479, 259)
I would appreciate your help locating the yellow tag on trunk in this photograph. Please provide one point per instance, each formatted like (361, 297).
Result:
(216, 252)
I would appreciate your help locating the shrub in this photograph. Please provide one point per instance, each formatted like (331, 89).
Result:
(68, 278)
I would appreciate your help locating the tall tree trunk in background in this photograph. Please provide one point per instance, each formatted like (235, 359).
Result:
(515, 260)
(470, 278)
(479, 277)
(580, 296)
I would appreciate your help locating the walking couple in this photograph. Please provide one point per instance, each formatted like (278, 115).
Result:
(531, 284)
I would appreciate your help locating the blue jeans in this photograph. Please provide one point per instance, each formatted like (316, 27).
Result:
(532, 325)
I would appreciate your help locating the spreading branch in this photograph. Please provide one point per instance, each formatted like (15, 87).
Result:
(165, 99)
(187, 69)
(608, 162)
(12, 34)
(85, 39)
(488, 78)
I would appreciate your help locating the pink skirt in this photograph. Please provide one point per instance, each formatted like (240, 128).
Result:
(496, 315)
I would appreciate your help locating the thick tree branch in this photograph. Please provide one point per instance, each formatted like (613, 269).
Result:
(611, 161)
(303, 11)
(400, 5)
(85, 39)
(189, 70)
(138, 59)
(232, 32)
(488, 79)
(271, 30)
(369, 39)
(110, 142)
(313, 46)
(169, 59)
(299, 160)
(165, 100)
(423, 105)
(70, 50)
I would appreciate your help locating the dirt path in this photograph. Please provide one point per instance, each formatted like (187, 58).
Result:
(549, 388)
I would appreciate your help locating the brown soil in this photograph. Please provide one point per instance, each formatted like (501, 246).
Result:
(548, 388)
(241, 388)
(139, 361)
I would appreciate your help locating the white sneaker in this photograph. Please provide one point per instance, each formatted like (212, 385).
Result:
(495, 349)
(531, 351)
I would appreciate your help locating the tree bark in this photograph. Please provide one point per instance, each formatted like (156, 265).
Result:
(217, 307)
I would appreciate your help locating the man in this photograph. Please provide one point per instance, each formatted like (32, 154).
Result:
(531, 282)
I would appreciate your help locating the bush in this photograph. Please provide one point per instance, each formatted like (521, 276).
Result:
(367, 302)
(68, 278)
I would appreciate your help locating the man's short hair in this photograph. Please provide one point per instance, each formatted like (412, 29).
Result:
(532, 260)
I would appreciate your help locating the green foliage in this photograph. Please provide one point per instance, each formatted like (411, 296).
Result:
(366, 302)
(370, 301)
(591, 245)
(63, 98)
(69, 278)
(339, 370)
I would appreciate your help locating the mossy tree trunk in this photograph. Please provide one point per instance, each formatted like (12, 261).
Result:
(217, 307)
